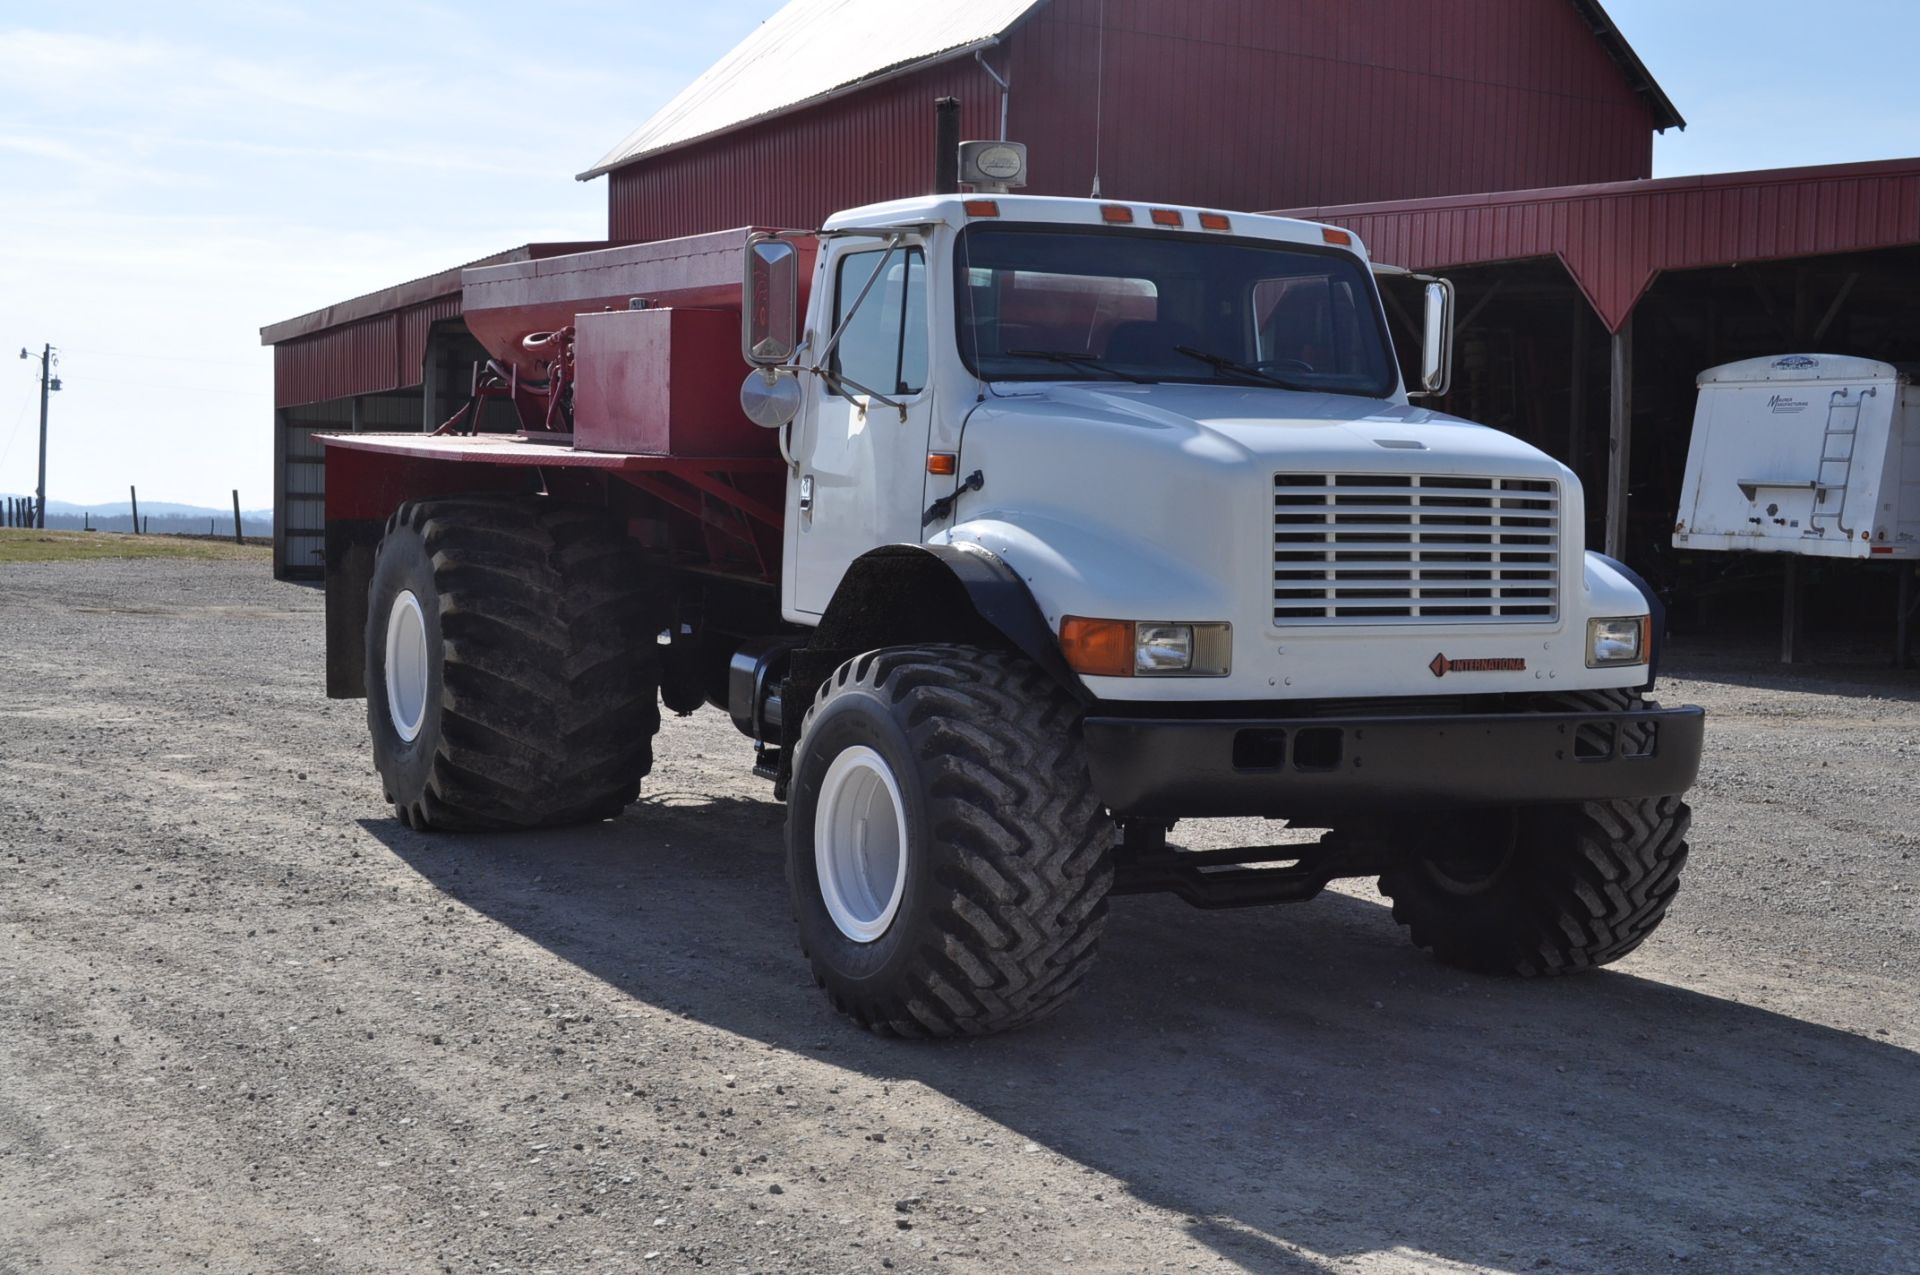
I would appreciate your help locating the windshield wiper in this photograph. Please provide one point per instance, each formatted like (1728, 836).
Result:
(1221, 363)
(1079, 360)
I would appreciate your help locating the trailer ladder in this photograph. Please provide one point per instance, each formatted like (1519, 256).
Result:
(1836, 458)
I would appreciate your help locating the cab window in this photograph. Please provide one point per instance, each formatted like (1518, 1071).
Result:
(884, 348)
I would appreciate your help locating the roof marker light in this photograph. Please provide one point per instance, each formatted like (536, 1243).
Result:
(1215, 221)
(1118, 214)
(1338, 238)
(1167, 217)
(982, 208)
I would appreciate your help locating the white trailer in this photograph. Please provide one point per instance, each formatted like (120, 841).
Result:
(1810, 454)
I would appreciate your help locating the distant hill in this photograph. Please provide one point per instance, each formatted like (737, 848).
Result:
(162, 517)
(157, 508)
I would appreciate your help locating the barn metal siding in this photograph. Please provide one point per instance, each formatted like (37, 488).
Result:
(1232, 103)
(367, 356)
(1253, 104)
(797, 169)
(1616, 239)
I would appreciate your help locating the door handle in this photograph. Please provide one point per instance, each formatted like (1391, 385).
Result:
(806, 494)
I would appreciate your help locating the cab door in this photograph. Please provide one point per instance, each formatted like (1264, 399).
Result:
(860, 480)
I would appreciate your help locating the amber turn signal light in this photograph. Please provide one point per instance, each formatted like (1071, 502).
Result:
(1098, 648)
(945, 464)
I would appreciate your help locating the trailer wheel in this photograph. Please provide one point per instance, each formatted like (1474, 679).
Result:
(1541, 890)
(948, 861)
(510, 664)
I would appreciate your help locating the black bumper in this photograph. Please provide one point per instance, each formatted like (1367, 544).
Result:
(1175, 769)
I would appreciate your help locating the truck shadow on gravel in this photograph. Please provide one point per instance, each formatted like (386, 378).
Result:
(1299, 1082)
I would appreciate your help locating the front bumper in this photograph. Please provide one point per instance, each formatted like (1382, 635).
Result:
(1162, 768)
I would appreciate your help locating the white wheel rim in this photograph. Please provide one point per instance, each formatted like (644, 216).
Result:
(406, 665)
(860, 844)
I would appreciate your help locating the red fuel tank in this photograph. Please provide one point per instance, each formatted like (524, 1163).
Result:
(663, 383)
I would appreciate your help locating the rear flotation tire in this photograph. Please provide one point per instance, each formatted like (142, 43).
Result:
(1542, 890)
(540, 703)
(1007, 859)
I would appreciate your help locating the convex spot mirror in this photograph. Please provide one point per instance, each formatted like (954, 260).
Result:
(771, 396)
(769, 312)
(1436, 345)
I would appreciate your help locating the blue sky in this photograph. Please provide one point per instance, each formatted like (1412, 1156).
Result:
(173, 176)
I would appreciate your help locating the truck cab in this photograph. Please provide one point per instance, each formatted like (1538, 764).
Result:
(1092, 517)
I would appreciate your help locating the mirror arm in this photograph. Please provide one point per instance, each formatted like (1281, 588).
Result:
(841, 383)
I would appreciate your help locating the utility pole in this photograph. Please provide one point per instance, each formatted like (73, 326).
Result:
(48, 383)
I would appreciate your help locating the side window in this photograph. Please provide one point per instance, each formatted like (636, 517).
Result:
(885, 347)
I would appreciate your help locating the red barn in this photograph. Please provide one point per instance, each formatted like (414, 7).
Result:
(1240, 104)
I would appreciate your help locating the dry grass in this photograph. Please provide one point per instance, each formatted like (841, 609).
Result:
(22, 545)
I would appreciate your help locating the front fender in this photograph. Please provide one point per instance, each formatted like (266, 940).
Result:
(904, 593)
(1613, 588)
(1097, 572)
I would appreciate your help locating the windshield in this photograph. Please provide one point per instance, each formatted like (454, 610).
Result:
(1045, 303)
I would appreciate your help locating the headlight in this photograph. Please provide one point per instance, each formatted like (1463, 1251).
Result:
(1162, 648)
(1146, 648)
(1616, 642)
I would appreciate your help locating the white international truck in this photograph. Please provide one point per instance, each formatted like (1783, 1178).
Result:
(1040, 525)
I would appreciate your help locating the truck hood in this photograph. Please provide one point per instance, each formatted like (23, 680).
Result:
(1156, 503)
(1254, 423)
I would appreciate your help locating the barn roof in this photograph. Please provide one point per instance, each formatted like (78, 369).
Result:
(1665, 114)
(811, 50)
(1616, 238)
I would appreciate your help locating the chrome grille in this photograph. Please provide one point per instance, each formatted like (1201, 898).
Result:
(1411, 548)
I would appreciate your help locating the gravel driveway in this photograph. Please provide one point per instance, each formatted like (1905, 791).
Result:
(248, 1023)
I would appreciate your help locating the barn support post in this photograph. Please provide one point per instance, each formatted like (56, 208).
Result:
(1619, 440)
(1577, 399)
(430, 378)
(1903, 621)
(280, 493)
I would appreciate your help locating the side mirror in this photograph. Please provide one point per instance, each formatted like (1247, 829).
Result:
(771, 396)
(769, 324)
(1436, 346)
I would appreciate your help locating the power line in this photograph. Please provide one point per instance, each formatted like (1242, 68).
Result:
(13, 433)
